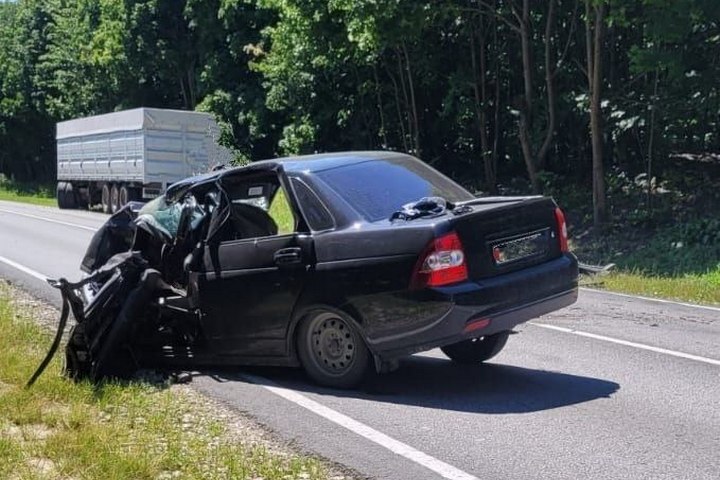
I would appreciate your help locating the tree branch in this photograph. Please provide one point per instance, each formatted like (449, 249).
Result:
(573, 23)
(487, 9)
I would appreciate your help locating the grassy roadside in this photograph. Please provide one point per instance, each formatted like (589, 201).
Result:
(701, 289)
(679, 261)
(59, 429)
(27, 193)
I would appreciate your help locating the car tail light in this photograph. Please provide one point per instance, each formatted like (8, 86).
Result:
(562, 229)
(442, 263)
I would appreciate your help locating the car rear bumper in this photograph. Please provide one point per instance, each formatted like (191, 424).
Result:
(473, 309)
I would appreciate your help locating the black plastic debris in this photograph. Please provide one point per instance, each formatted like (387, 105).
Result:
(426, 207)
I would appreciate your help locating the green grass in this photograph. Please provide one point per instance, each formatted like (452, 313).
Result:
(27, 193)
(281, 212)
(694, 288)
(60, 429)
(679, 261)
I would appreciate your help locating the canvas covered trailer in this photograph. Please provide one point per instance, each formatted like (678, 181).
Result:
(118, 157)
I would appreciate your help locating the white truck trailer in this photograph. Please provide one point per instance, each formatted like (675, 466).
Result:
(134, 154)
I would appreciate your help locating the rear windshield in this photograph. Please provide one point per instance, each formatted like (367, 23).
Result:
(377, 188)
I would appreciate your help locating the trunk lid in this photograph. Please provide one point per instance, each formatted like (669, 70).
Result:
(509, 234)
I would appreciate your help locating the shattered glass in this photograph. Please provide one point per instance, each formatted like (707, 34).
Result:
(160, 214)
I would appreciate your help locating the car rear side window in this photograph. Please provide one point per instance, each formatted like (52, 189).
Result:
(377, 188)
(317, 215)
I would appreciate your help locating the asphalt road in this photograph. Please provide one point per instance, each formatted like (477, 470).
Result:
(612, 387)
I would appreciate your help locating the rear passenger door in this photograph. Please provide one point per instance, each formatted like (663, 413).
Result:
(249, 286)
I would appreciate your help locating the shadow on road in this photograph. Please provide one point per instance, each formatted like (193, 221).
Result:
(440, 384)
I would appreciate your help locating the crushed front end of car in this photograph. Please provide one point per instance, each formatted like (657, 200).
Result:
(132, 301)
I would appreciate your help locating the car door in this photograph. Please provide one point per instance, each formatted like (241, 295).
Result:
(247, 291)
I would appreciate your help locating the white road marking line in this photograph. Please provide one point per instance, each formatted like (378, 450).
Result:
(37, 217)
(438, 466)
(24, 269)
(641, 346)
(659, 300)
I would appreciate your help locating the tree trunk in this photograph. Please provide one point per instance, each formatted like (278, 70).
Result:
(549, 85)
(496, 117)
(525, 119)
(524, 134)
(526, 55)
(596, 129)
(480, 91)
(378, 92)
(401, 72)
(401, 121)
(413, 103)
(651, 142)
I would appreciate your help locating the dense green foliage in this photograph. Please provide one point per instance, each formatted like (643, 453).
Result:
(489, 91)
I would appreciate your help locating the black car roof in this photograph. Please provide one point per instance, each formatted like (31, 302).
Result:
(299, 163)
(325, 161)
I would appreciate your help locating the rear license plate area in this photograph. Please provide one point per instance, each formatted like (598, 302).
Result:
(520, 248)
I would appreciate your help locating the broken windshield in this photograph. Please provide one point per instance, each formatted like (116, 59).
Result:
(162, 215)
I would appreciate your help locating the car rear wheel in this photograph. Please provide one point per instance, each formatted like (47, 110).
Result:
(476, 350)
(331, 350)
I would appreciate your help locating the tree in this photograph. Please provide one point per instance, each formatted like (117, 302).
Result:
(594, 28)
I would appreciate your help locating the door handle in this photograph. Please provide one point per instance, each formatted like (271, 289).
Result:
(288, 256)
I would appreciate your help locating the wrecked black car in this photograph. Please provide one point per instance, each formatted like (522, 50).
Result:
(340, 263)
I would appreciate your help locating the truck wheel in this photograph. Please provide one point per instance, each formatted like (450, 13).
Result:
(70, 199)
(114, 199)
(476, 350)
(105, 198)
(331, 350)
(82, 200)
(61, 195)
(125, 195)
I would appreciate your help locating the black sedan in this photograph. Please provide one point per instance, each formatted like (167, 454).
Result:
(340, 263)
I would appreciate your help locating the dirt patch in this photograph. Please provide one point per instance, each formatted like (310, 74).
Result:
(40, 312)
(4, 387)
(43, 467)
(36, 432)
(11, 432)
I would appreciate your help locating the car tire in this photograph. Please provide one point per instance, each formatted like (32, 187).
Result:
(114, 199)
(476, 350)
(331, 350)
(105, 198)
